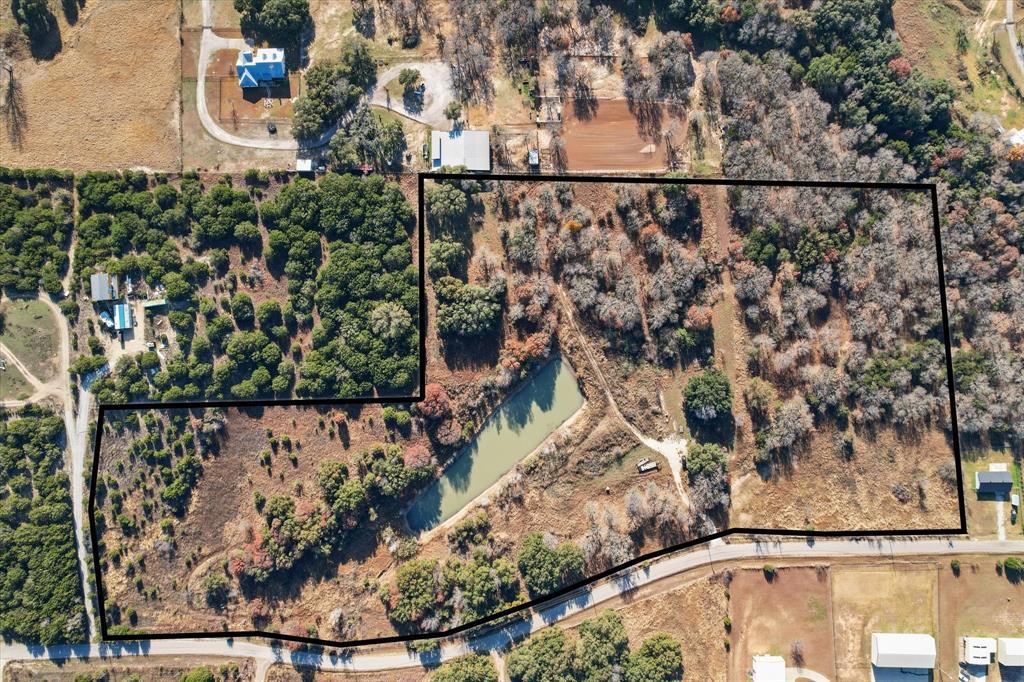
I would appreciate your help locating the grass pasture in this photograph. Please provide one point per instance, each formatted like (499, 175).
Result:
(890, 598)
(30, 332)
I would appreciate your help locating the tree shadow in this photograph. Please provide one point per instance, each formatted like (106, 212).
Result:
(42, 30)
(412, 99)
(71, 9)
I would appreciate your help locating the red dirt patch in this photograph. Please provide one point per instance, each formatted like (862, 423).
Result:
(611, 139)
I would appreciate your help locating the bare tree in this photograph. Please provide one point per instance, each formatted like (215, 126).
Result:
(12, 108)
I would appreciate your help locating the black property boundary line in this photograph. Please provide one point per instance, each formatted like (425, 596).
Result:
(522, 609)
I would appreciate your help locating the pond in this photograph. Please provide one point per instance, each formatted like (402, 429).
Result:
(517, 428)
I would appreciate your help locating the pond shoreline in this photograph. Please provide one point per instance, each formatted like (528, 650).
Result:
(564, 380)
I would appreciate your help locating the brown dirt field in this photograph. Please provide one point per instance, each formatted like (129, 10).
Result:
(857, 494)
(249, 105)
(149, 668)
(898, 597)
(109, 99)
(611, 140)
(979, 602)
(768, 617)
(286, 673)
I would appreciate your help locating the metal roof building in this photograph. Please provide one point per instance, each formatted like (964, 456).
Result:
(769, 669)
(122, 317)
(997, 482)
(902, 650)
(103, 287)
(469, 148)
(263, 67)
(1011, 652)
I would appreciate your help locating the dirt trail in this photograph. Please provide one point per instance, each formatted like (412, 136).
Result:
(673, 449)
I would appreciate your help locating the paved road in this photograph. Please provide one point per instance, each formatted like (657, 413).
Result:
(714, 554)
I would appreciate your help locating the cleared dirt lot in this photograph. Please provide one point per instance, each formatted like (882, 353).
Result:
(109, 98)
(771, 617)
(609, 137)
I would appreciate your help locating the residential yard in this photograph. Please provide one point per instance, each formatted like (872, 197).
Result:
(983, 512)
(791, 612)
(978, 602)
(30, 332)
(112, 89)
(898, 597)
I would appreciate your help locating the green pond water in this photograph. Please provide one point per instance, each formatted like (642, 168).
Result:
(516, 428)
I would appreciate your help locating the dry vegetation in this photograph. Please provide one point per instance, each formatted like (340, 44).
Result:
(109, 99)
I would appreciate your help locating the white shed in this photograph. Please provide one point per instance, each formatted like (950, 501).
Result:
(769, 669)
(977, 650)
(902, 650)
(469, 148)
(1011, 652)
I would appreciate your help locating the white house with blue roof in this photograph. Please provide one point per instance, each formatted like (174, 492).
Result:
(264, 66)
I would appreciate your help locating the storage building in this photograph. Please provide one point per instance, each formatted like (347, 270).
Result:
(902, 650)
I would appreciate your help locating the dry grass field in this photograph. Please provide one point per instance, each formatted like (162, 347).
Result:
(899, 597)
(109, 98)
(134, 669)
(771, 617)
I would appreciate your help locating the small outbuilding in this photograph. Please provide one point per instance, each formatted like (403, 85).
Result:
(977, 650)
(122, 317)
(769, 669)
(469, 148)
(902, 650)
(1011, 652)
(993, 482)
(264, 66)
(103, 287)
(155, 305)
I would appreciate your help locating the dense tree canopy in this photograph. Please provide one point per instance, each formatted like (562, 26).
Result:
(40, 589)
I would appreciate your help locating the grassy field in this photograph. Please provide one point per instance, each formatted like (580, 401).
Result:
(13, 385)
(894, 598)
(118, 108)
(771, 617)
(927, 30)
(30, 332)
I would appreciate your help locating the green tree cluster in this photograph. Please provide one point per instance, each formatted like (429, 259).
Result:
(35, 225)
(40, 590)
(601, 652)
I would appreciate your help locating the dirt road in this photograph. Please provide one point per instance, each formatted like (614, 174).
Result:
(673, 449)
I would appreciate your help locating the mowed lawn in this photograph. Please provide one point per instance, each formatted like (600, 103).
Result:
(892, 598)
(981, 511)
(30, 332)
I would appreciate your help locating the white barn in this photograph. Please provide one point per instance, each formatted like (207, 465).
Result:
(769, 669)
(1011, 652)
(469, 148)
(902, 650)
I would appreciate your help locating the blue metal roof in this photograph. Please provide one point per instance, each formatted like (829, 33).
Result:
(122, 317)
